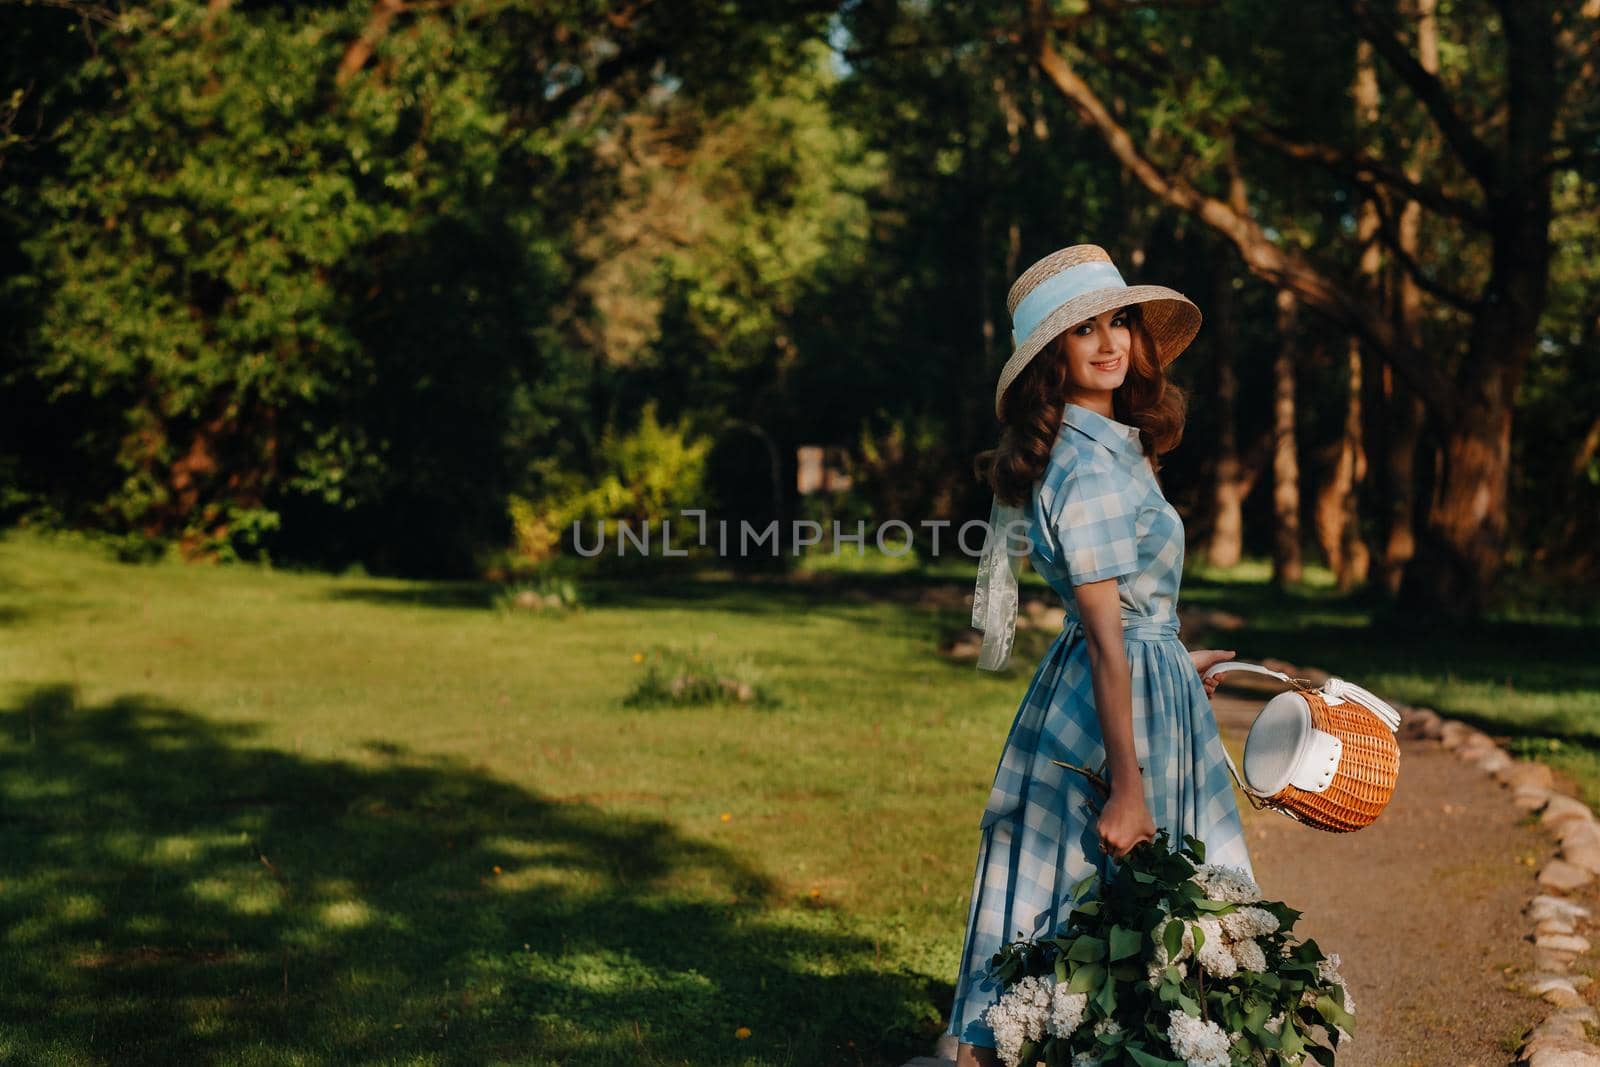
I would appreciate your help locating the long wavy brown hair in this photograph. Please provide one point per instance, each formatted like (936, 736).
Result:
(1037, 400)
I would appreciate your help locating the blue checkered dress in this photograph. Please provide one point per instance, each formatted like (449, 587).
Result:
(1096, 513)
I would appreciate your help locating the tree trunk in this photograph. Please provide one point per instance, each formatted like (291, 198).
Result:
(1356, 559)
(1286, 566)
(1462, 550)
(1336, 511)
(1226, 543)
(1338, 518)
(1403, 408)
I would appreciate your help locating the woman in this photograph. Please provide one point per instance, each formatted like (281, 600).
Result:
(1086, 409)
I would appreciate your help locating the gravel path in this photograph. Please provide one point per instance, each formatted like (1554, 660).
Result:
(1424, 907)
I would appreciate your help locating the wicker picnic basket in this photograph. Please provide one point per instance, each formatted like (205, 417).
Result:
(1324, 756)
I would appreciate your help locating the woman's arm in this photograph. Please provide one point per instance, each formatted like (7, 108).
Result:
(1100, 607)
(1125, 820)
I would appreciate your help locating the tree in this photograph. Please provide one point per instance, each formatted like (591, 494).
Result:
(1493, 187)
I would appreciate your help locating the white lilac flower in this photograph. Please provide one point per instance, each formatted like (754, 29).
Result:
(1249, 956)
(1066, 1011)
(1084, 1059)
(1198, 1042)
(1249, 922)
(1328, 969)
(1007, 1029)
(1107, 1026)
(1020, 1015)
(1215, 955)
(1032, 1009)
(1232, 884)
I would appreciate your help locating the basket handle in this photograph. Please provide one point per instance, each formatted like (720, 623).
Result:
(1336, 690)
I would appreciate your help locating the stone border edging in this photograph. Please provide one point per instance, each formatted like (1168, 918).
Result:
(1560, 1039)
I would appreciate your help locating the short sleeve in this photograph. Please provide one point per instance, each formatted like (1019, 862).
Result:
(1094, 518)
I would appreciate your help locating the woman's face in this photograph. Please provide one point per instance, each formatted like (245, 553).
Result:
(1097, 351)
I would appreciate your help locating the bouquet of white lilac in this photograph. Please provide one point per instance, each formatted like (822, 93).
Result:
(1172, 963)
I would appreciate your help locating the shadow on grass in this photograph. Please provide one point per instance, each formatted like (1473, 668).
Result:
(469, 596)
(174, 894)
(753, 592)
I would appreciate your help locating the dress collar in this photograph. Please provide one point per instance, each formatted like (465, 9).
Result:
(1117, 436)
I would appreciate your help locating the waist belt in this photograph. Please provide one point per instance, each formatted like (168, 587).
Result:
(1135, 629)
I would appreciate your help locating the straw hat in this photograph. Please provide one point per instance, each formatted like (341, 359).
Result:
(1073, 286)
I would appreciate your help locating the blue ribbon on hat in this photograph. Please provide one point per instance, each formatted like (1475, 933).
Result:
(1057, 290)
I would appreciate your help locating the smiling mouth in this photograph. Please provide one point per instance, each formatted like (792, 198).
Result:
(1110, 364)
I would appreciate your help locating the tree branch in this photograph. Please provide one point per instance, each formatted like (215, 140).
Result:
(1281, 267)
(360, 50)
(1357, 166)
(1360, 167)
(1475, 155)
(1390, 233)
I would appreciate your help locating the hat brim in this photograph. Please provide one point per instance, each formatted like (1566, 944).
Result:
(1171, 319)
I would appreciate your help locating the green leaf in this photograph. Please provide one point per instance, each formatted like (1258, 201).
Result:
(1145, 1059)
(1084, 883)
(1207, 904)
(1061, 969)
(1087, 949)
(1322, 1055)
(1335, 1014)
(1199, 938)
(1172, 939)
(1125, 943)
(1088, 907)
(1107, 998)
(1290, 1043)
(1087, 978)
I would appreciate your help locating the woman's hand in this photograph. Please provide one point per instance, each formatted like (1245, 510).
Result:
(1125, 820)
(1206, 658)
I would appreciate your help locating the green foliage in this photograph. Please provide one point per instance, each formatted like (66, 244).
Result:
(1132, 946)
(646, 475)
(546, 593)
(679, 677)
(274, 303)
(240, 272)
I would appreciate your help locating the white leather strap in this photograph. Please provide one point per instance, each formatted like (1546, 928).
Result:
(1342, 692)
(1334, 691)
(1237, 665)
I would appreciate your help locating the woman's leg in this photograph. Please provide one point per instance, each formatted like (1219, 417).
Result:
(976, 1056)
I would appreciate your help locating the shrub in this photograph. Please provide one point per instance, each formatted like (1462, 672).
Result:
(683, 677)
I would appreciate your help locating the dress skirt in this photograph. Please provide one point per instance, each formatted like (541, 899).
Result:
(1038, 835)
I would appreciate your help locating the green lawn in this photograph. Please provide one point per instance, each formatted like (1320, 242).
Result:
(263, 817)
